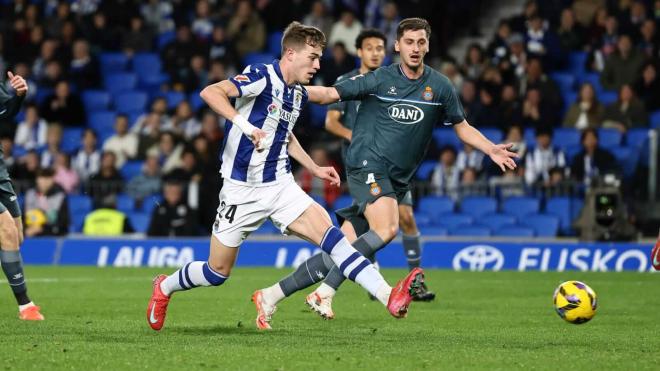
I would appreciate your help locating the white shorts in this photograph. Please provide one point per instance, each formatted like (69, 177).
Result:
(243, 209)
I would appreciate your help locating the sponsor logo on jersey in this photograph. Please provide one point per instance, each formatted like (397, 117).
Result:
(289, 117)
(370, 176)
(406, 114)
(427, 95)
(242, 78)
(392, 90)
(375, 189)
(273, 111)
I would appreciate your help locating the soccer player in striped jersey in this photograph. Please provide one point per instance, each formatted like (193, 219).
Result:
(258, 184)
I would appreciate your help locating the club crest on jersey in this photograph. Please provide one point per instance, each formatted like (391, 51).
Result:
(375, 189)
(297, 100)
(392, 90)
(427, 94)
(242, 78)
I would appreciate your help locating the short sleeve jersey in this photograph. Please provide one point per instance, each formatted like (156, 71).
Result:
(395, 122)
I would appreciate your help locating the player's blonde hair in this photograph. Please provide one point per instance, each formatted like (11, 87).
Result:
(297, 35)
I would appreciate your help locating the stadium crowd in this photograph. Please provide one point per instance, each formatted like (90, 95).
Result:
(113, 118)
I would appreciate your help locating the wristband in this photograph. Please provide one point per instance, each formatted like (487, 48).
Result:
(243, 124)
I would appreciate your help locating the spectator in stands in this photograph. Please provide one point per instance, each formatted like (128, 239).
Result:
(520, 21)
(509, 108)
(605, 44)
(26, 171)
(648, 87)
(246, 29)
(53, 73)
(149, 135)
(388, 24)
(173, 217)
(53, 145)
(571, 34)
(498, 48)
(147, 183)
(100, 35)
(622, 67)
(339, 63)
(123, 143)
(137, 39)
(177, 54)
(636, 16)
(168, 151)
(542, 158)
(511, 183)
(536, 112)
(63, 107)
(141, 126)
(515, 135)
(31, 132)
(188, 169)
(195, 77)
(217, 72)
(587, 111)
(469, 100)
(220, 48)
(535, 78)
(106, 181)
(106, 220)
(158, 15)
(346, 31)
(88, 159)
(541, 42)
(316, 186)
(84, 70)
(489, 113)
(475, 62)
(46, 209)
(592, 160)
(469, 157)
(514, 64)
(65, 176)
(46, 55)
(318, 17)
(445, 177)
(202, 25)
(211, 130)
(452, 72)
(471, 185)
(55, 24)
(627, 112)
(648, 43)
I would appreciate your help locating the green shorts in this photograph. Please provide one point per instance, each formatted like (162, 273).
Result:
(8, 199)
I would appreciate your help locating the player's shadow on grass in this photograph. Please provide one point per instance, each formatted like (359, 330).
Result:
(244, 329)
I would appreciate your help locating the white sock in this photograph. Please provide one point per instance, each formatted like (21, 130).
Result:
(325, 290)
(192, 275)
(25, 306)
(274, 294)
(383, 293)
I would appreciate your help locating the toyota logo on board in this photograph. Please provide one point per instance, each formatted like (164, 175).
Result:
(478, 258)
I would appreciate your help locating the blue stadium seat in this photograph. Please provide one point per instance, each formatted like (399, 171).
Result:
(478, 206)
(637, 138)
(593, 79)
(446, 137)
(571, 151)
(425, 170)
(173, 98)
(494, 134)
(151, 202)
(514, 231)
(423, 220)
(196, 102)
(71, 139)
(496, 221)
(453, 220)
(565, 137)
(530, 137)
(607, 97)
(119, 82)
(654, 119)
(609, 137)
(79, 204)
(274, 44)
(252, 58)
(569, 98)
(131, 101)
(520, 206)
(140, 221)
(434, 206)
(96, 100)
(470, 231)
(565, 81)
(130, 169)
(165, 38)
(432, 231)
(77, 221)
(317, 114)
(627, 158)
(112, 62)
(146, 64)
(543, 225)
(577, 62)
(42, 94)
(101, 121)
(342, 202)
(125, 203)
(566, 209)
(153, 83)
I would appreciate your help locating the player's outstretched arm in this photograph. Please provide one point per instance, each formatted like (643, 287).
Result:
(323, 172)
(217, 97)
(334, 125)
(499, 153)
(322, 94)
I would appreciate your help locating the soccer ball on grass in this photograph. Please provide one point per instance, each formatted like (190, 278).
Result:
(575, 302)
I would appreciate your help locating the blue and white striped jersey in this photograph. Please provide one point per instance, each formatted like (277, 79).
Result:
(269, 104)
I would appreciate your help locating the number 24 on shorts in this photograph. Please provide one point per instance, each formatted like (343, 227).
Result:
(231, 211)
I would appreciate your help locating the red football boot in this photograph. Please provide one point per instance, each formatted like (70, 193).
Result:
(404, 291)
(157, 308)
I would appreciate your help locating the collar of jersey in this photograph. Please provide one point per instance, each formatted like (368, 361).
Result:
(278, 72)
(408, 78)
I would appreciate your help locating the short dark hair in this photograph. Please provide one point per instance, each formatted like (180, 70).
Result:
(45, 173)
(296, 35)
(413, 24)
(588, 131)
(368, 33)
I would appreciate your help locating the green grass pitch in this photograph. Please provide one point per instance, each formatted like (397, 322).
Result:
(95, 319)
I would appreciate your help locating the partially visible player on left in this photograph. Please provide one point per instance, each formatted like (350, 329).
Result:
(11, 226)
